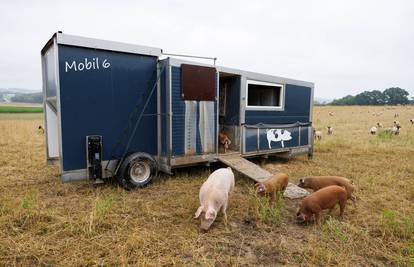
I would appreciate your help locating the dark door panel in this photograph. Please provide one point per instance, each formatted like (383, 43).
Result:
(198, 82)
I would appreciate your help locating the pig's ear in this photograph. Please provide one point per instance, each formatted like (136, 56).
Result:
(198, 212)
(256, 184)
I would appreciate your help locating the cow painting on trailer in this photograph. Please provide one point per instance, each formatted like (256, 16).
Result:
(278, 135)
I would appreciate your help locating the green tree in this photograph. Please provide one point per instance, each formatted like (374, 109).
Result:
(377, 97)
(363, 98)
(390, 96)
(28, 98)
(346, 100)
(396, 95)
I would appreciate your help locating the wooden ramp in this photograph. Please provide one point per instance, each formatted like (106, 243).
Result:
(242, 165)
(251, 170)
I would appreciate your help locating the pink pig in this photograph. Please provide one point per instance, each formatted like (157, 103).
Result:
(214, 195)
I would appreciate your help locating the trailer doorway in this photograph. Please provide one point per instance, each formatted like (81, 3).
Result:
(229, 111)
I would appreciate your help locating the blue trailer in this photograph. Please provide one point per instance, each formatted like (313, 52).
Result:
(128, 111)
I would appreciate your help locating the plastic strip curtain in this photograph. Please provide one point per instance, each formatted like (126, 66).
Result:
(190, 125)
(206, 126)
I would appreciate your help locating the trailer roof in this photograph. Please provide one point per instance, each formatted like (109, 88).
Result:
(73, 40)
(261, 76)
(247, 74)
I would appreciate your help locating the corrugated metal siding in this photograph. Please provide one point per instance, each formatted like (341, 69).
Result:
(163, 103)
(178, 109)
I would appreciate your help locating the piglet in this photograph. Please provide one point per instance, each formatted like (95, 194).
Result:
(273, 185)
(325, 198)
(224, 140)
(317, 182)
(214, 195)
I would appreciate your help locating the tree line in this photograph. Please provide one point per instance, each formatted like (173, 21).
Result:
(390, 96)
(28, 98)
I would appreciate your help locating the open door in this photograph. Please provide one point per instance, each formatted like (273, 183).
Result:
(229, 112)
(199, 85)
(50, 103)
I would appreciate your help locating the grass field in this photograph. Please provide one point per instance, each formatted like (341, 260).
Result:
(44, 222)
(20, 109)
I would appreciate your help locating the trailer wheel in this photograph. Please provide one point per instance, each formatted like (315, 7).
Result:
(137, 170)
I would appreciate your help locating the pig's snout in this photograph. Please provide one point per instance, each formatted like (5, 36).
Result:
(208, 219)
(226, 144)
(205, 224)
(202, 230)
(301, 182)
(261, 190)
(300, 218)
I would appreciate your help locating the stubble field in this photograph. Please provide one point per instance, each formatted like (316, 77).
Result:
(44, 222)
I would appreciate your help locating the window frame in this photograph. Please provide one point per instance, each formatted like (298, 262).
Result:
(280, 107)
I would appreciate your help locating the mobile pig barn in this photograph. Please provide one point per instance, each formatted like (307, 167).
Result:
(115, 109)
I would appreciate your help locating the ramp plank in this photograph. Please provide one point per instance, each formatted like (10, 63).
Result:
(242, 165)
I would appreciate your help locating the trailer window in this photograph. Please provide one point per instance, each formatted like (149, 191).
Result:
(263, 95)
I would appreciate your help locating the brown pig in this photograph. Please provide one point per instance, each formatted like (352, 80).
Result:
(224, 140)
(273, 185)
(318, 182)
(325, 198)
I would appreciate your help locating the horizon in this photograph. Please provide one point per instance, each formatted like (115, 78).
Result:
(315, 99)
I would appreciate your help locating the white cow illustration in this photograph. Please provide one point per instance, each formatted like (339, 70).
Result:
(277, 135)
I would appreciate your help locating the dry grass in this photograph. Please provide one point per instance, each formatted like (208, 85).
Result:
(44, 222)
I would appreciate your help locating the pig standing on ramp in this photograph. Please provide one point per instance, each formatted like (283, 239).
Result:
(214, 195)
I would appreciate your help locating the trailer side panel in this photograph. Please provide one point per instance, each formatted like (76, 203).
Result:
(296, 109)
(98, 91)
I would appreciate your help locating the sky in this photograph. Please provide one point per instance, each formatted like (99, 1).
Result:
(344, 47)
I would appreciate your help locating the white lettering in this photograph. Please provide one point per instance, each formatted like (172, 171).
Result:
(86, 64)
(106, 64)
(81, 66)
(73, 65)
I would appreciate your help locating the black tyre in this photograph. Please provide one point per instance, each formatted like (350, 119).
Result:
(137, 170)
